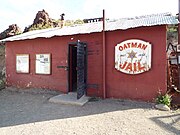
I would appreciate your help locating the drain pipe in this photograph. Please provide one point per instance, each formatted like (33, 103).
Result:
(104, 56)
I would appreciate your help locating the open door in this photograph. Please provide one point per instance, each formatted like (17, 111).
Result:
(81, 69)
(77, 73)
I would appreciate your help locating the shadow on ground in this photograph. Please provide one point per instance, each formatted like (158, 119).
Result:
(162, 122)
(18, 107)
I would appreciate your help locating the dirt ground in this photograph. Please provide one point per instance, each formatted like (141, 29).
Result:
(28, 112)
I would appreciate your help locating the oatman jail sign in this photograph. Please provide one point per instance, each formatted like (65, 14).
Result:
(133, 56)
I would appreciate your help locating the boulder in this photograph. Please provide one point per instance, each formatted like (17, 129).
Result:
(162, 107)
(11, 31)
(42, 21)
(42, 17)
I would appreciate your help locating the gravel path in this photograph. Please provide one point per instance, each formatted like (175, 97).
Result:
(30, 113)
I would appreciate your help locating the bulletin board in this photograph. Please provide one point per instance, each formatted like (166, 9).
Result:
(22, 63)
(43, 63)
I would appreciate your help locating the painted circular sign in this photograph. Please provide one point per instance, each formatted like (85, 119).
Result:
(133, 56)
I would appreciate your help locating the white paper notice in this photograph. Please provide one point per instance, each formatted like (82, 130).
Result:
(43, 64)
(22, 63)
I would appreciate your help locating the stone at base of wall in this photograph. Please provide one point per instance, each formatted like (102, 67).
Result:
(162, 107)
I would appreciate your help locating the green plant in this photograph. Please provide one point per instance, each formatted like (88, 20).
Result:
(40, 26)
(164, 99)
(78, 21)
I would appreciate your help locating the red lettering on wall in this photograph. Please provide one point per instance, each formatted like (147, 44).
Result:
(140, 67)
(144, 46)
(134, 45)
(123, 66)
(120, 48)
(132, 67)
(129, 45)
(139, 46)
(135, 69)
(129, 67)
(125, 46)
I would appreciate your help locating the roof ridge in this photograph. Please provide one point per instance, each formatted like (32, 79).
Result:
(111, 25)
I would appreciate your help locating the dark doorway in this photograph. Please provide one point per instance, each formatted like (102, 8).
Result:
(73, 68)
(77, 68)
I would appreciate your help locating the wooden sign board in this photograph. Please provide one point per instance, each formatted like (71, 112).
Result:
(133, 56)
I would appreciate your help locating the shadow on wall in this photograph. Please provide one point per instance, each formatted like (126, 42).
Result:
(171, 126)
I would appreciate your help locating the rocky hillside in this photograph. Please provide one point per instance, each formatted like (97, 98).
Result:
(11, 31)
(43, 21)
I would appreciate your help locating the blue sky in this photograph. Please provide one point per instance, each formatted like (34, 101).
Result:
(22, 12)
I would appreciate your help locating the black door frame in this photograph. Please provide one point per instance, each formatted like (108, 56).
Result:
(86, 63)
